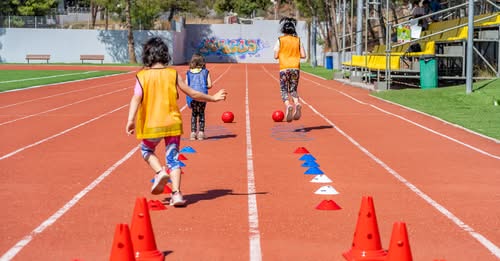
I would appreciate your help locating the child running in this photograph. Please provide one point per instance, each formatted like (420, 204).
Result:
(289, 50)
(154, 115)
(198, 78)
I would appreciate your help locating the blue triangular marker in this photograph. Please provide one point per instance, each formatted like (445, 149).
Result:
(153, 181)
(307, 157)
(182, 164)
(187, 150)
(313, 171)
(311, 163)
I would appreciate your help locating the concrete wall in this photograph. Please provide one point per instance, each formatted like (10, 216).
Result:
(241, 43)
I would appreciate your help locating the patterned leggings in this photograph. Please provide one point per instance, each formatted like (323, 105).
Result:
(198, 111)
(289, 80)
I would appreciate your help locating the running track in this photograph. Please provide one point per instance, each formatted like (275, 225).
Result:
(69, 174)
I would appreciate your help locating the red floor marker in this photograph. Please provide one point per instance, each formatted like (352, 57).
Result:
(328, 205)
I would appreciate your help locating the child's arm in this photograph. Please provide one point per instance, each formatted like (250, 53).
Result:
(276, 49)
(302, 51)
(134, 106)
(209, 81)
(199, 96)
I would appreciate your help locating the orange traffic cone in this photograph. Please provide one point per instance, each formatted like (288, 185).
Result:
(142, 235)
(399, 248)
(366, 244)
(122, 245)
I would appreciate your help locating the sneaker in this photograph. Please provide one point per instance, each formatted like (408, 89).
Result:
(297, 113)
(288, 113)
(161, 180)
(193, 136)
(201, 135)
(177, 200)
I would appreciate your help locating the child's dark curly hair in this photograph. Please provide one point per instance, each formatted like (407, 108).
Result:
(197, 61)
(155, 51)
(288, 25)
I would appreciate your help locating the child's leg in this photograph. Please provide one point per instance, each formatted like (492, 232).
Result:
(285, 89)
(161, 178)
(174, 167)
(172, 161)
(203, 105)
(194, 115)
(294, 83)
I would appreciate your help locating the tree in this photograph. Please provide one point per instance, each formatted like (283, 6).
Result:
(130, 37)
(28, 7)
(241, 7)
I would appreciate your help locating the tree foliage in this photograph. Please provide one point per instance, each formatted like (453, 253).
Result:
(241, 7)
(28, 7)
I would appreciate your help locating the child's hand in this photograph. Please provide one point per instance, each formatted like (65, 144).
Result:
(220, 95)
(130, 128)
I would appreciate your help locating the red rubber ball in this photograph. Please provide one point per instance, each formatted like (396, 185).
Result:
(227, 117)
(278, 116)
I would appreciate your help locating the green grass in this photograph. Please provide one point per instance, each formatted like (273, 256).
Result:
(17, 79)
(475, 111)
(318, 70)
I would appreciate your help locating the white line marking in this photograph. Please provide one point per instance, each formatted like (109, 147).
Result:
(64, 106)
(484, 241)
(253, 215)
(12, 252)
(64, 82)
(412, 122)
(59, 134)
(48, 77)
(62, 93)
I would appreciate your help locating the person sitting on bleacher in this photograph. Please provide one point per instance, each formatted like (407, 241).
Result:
(435, 7)
(419, 11)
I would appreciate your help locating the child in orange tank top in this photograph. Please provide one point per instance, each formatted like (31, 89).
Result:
(289, 50)
(154, 115)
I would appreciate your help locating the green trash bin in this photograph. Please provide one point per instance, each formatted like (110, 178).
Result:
(428, 72)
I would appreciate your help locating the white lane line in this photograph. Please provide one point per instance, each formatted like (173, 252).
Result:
(253, 214)
(59, 134)
(13, 251)
(47, 77)
(62, 93)
(495, 250)
(414, 123)
(64, 106)
(59, 83)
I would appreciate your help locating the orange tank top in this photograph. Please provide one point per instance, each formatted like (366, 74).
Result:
(158, 116)
(289, 52)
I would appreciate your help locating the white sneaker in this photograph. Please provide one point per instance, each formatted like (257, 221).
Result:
(201, 135)
(297, 114)
(161, 180)
(289, 113)
(192, 136)
(177, 200)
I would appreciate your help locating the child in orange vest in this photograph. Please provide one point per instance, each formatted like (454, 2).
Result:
(155, 116)
(289, 50)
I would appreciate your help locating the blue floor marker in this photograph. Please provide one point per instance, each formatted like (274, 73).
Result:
(310, 163)
(307, 157)
(313, 171)
(187, 149)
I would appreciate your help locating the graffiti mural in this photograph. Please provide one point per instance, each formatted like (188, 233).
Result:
(230, 47)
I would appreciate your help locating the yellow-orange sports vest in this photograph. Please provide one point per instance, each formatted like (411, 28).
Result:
(158, 115)
(289, 53)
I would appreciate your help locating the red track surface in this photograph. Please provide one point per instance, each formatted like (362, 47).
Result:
(442, 181)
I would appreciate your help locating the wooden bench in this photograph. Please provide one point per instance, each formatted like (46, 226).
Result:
(92, 57)
(38, 57)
